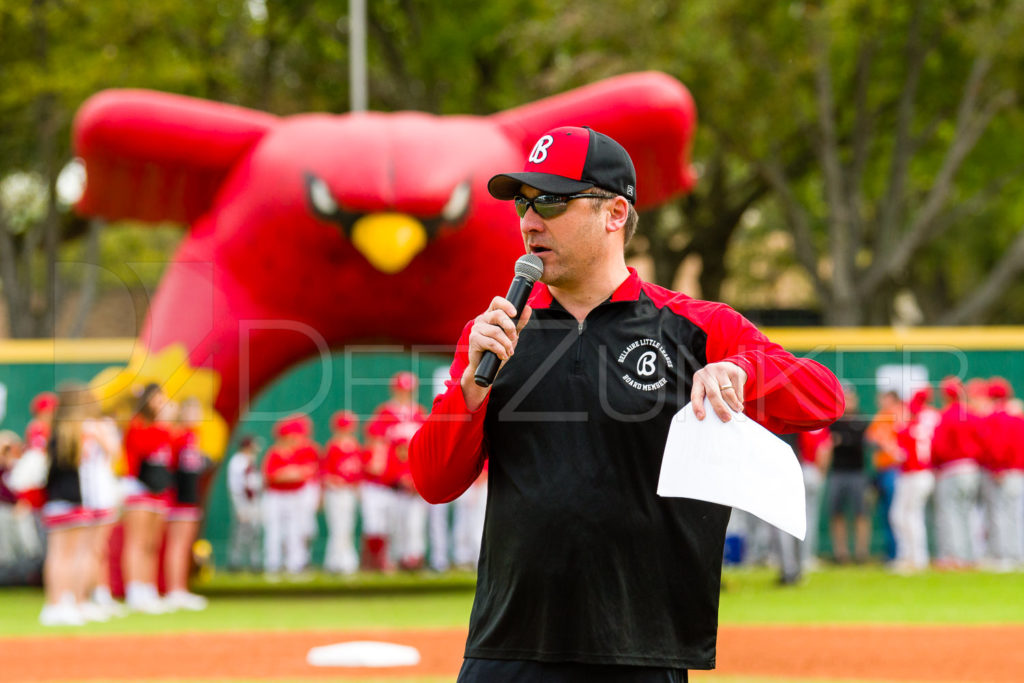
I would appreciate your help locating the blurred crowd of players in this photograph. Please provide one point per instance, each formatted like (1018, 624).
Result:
(362, 483)
(944, 481)
(78, 472)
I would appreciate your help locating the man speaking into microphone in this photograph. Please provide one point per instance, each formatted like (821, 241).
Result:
(585, 574)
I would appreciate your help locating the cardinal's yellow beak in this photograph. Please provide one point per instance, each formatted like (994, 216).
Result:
(389, 240)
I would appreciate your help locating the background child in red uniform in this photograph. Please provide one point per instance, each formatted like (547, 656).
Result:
(342, 474)
(956, 449)
(380, 502)
(914, 484)
(1005, 472)
(32, 475)
(410, 509)
(289, 464)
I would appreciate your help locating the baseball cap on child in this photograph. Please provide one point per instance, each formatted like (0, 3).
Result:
(568, 160)
(404, 381)
(294, 425)
(43, 402)
(343, 419)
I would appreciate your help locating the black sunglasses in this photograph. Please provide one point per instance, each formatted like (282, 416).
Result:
(551, 205)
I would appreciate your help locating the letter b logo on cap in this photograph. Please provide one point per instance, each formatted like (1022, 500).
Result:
(540, 150)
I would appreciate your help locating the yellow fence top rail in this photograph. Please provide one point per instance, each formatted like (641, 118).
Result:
(796, 339)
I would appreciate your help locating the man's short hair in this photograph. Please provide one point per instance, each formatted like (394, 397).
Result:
(632, 221)
(632, 218)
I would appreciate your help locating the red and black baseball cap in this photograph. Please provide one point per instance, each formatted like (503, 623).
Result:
(568, 160)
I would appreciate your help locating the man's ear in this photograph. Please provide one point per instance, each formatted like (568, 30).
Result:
(618, 212)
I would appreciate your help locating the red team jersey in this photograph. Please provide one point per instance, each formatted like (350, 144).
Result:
(147, 442)
(916, 440)
(279, 457)
(395, 423)
(392, 414)
(1004, 442)
(37, 435)
(345, 459)
(185, 450)
(809, 443)
(956, 436)
(398, 474)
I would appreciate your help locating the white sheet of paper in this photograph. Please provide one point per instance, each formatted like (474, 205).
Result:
(737, 463)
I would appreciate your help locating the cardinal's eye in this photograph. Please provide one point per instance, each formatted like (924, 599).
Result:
(458, 203)
(324, 205)
(320, 197)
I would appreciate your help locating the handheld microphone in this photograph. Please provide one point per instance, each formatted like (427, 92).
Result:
(529, 268)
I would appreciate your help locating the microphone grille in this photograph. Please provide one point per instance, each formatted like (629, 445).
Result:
(530, 267)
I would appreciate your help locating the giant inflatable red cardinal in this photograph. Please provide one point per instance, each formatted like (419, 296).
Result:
(314, 231)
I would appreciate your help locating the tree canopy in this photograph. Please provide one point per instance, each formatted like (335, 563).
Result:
(857, 157)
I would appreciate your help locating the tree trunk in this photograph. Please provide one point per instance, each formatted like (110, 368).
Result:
(90, 279)
(43, 307)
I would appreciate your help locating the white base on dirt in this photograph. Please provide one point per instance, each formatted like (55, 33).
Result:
(360, 653)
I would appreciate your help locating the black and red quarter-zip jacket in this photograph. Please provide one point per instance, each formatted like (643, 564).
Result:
(581, 560)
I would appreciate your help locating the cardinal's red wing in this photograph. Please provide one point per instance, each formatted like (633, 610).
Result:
(158, 157)
(651, 114)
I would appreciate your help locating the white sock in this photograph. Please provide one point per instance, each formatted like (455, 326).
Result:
(101, 595)
(135, 591)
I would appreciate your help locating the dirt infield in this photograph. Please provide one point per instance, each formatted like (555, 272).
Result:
(967, 654)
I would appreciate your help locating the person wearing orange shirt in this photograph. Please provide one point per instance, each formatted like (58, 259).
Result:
(881, 435)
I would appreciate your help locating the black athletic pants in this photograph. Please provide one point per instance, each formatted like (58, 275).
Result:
(520, 671)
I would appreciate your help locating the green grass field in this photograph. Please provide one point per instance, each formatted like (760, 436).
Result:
(862, 595)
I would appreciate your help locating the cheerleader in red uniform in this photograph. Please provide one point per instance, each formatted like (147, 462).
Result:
(148, 452)
(343, 472)
(184, 514)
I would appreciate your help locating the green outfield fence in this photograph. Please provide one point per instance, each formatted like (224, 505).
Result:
(357, 378)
